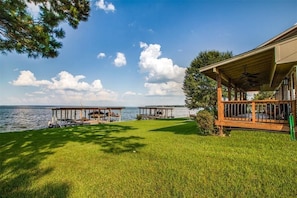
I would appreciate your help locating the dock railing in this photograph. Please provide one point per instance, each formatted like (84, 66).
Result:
(274, 111)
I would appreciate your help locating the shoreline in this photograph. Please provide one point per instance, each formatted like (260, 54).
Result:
(18, 118)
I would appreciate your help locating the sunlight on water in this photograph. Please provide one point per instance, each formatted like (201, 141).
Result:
(23, 118)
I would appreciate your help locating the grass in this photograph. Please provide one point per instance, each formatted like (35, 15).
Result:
(152, 158)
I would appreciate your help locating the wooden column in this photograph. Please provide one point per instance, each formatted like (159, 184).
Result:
(294, 94)
(220, 104)
(229, 90)
(294, 83)
(290, 87)
(241, 95)
(253, 111)
(109, 115)
(120, 116)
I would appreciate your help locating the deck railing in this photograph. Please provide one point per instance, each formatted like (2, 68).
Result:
(274, 111)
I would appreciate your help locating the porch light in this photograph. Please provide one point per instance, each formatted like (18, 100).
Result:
(286, 81)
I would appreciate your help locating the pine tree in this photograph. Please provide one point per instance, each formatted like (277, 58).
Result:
(200, 90)
(38, 36)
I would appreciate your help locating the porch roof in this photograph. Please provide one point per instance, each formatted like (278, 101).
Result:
(262, 68)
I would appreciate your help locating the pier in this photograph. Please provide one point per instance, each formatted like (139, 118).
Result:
(70, 116)
(155, 112)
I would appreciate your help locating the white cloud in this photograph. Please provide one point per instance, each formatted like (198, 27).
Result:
(100, 4)
(39, 92)
(27, 78)
(101, 55)
(67, 81)
(97, 85)
(170, 88)
(164, 77)
(120, 60)
(66, 87)
(130, 93)
(159, 69)
(143, 45)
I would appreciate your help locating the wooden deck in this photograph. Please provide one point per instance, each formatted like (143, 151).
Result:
(69, 116)
(263, 114)
(155, 112)
(271, 66)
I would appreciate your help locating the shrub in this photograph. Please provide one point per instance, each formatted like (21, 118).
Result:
(139, 117)
(205, 122)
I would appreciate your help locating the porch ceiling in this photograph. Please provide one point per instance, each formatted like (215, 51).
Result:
(254, 70)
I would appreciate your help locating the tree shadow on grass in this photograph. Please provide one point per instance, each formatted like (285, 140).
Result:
(186, 127)
(110, 137)
(22, 153)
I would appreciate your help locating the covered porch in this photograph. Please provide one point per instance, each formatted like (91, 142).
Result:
(269, 67)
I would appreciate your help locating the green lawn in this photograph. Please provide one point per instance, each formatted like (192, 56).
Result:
(160, 158)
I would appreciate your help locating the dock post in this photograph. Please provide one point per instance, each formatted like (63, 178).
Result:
(120, 117)
(53, 114)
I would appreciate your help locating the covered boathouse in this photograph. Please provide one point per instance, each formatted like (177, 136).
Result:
(155, 112)
(67, 116)
(271, 66)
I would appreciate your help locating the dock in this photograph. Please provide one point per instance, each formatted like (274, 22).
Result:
(155, 112)
(71, 116)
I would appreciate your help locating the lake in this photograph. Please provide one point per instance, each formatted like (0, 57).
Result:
(20, 118)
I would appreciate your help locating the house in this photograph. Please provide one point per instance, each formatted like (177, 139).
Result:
(271, 66)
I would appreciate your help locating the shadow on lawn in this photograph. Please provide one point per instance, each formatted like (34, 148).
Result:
(21, 154)
(107, 136)
(187, 127)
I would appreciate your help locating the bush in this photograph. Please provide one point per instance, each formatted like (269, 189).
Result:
(139, 117)
(205, 122)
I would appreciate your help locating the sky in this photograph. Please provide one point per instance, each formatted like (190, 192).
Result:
(135, 52)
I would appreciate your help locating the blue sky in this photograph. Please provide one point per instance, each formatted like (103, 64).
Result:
(135, 52)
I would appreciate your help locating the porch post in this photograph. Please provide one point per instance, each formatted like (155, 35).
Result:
(294, 80)
(244, 96)
(286, 91)
(253, 111)
(290, 87)
(229, 90)
(241, 95)
(220, 104)
(235, 93)
(294, 93)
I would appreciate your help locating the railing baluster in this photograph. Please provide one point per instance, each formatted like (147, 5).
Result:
(272, 111)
